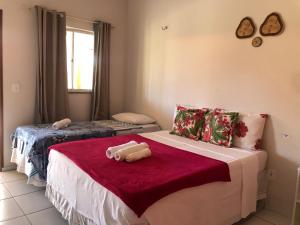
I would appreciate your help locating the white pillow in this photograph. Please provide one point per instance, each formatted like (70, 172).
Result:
(249, 131)
(133, 118)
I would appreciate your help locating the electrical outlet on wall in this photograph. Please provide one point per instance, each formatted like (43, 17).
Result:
(271, 174)
(285, 136)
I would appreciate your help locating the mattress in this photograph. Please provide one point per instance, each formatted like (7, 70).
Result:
(81, 200)
(122, 128)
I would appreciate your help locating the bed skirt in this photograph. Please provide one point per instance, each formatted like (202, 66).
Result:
(23, 166)
(66, 210)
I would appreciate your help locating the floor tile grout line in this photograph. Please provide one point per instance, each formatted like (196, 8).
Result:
(26, 216)
(15, 196)
(6, 198)
(7, 191)
(29, 213)
(29, 221)
(32, 212)
(39, 211)
(19, 206)
(21, 194)
(12, 218)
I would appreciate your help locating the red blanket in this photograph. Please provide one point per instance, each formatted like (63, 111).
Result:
(142, 183)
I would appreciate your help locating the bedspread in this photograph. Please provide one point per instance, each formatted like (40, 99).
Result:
(34, 140)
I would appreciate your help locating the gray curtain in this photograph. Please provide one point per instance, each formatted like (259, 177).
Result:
(51, 84)
(101, 76)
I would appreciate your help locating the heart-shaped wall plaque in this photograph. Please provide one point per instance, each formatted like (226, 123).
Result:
(273, 25)
(246, 28)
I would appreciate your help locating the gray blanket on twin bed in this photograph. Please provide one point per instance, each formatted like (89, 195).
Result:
(34, 140)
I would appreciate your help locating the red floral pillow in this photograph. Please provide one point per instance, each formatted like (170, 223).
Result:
(219, 126)
(249, 131)
(188, 122)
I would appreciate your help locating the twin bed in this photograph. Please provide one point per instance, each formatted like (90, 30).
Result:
(30, 143)
(202, 195)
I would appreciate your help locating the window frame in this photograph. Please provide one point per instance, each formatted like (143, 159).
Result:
(78, 30)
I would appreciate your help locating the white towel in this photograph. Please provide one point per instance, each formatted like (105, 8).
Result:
(141, 154)
(123, 153)
(61, 124)
(110, 152)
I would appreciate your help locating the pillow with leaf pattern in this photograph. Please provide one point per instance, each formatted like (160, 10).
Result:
(219, 127)
(188, 122)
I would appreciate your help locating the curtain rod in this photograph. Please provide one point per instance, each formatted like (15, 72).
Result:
(75, 18)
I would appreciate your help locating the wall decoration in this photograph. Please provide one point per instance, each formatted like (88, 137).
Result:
(164, 27)
(257, 42)
(246, 28)
(273, 25)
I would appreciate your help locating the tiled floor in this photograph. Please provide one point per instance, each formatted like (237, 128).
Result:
(23, 204)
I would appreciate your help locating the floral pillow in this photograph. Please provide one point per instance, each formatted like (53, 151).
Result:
(219, 127)
(185, 107)
(249, 131)
(188, 122)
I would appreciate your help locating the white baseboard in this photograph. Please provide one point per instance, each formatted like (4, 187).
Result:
(8, 168)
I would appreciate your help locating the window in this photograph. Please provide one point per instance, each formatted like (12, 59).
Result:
(80, 59)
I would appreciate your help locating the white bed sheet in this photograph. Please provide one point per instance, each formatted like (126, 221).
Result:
(216, 203)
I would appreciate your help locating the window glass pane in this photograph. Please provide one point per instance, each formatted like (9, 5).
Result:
(83, 60)
(69, 57)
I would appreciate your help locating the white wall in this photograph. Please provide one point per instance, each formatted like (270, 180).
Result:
(19, 57)
(199, 61)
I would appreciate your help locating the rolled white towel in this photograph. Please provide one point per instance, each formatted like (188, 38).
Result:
(141, 154)
(61, 123)
(110, 152)
(123, 153)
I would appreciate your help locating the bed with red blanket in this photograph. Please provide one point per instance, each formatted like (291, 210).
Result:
(184, 182)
